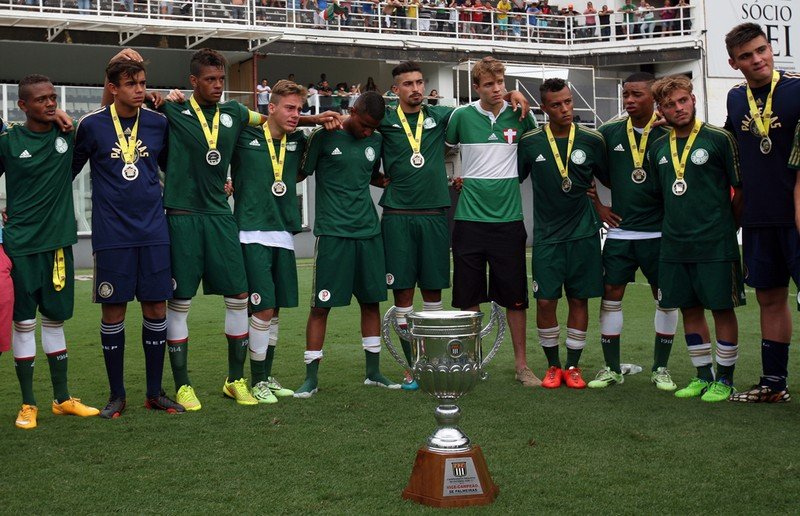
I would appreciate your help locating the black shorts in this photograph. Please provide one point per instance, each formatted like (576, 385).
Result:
(771, 256)
(501, 245)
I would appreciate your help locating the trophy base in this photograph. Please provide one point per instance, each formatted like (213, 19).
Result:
(458, 479)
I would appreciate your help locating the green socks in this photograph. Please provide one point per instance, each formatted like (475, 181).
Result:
(178, 355)
(610, 352)
(58, 375)
(661, 350)
(237, 354)
(25, 376)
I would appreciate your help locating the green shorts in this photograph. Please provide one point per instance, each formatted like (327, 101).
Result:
(417, 250)
(344, 267)
(575, 265)
(207, 248)
(271, 276)
(621, 258)
(714, 285)
(33, 286)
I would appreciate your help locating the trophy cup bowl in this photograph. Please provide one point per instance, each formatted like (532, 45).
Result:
(447, 362)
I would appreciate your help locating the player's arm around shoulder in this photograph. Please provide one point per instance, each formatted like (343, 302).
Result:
(311, 153)
(524, 158)
(452, 135)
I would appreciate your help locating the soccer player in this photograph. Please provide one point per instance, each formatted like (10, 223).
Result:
(561, 159)
(489, 228)
(348, 257)
(762, 112)
(696, 166)
(123, 143)
(38, 237)
(264, 170)
(634, 233)
(416, 237)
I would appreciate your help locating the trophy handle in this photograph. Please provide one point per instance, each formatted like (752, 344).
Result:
(496, 317)
(390, 320)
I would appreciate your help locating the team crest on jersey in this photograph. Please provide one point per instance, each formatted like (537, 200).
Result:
(578, 157)
(429, 123)
(61, 145)
(291, 146)
(105, 290)
(369, 152)
(390, 279)
(699, 156)
(324, 295)
(509, 135)
(535, 286)
(226, 120)
(255, 298)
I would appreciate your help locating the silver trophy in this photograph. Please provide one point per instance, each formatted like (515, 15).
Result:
(447, 362)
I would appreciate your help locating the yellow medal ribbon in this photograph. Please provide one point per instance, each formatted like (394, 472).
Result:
(59, 270)
(126, 145)
(414, 139)
(277, 160)
(637, 152)
(762, 120)
(213, 133)
(680, 164)
(562, 168)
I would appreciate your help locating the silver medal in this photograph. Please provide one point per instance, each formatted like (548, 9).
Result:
(130, 171)
(566, 185)
(765, 145)
(417, 160)
(213, 157)
(679, 187)
(278, 188)
(638, 175)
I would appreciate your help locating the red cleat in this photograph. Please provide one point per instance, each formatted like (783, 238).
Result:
(573, 378)
(552, 378)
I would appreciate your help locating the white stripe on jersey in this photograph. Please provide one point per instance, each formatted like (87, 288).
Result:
(489, 161)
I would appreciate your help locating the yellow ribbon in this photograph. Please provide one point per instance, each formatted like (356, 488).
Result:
(126, 145)
(637, 152)
(59, 270)
(277, 161)
(213, 134)
(762, 120)
(562, 168)
(414, 139)
(680, 165)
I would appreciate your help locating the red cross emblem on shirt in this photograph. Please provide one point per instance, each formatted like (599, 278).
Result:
(510, 134)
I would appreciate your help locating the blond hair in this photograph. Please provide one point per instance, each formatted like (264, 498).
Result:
(666, 86)
(487, 66)
(285, 88)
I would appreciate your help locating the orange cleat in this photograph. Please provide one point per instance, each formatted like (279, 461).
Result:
(552, 378)
(573, 378)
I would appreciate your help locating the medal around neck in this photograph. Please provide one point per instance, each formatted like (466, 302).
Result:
(765, 145)
(130, 171)
(566, 185)
(679, 187)
(417, 160)
(638, 176)
(279, 188)
(213, 157)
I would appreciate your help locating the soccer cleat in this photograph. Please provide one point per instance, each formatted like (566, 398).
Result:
(308, 389)
(718, 391)
(161, 402)
(26, 418)
(188, 398)
(552, 378)
(663, 380)
(73, 407)
(278, 389)
(526, 377)
(113, 408)
(263, 393)
(381, 381)
(238, 391)
(606, 378)
(695, 388)
(761, 394)
(409, 383)
(573, 378)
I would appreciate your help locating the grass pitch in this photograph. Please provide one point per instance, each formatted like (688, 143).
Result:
(629, 449)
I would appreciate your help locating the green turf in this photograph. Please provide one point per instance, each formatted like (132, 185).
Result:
(628, 449)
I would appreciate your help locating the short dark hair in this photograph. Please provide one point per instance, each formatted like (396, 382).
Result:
(372, 104)
(741, 34)
(551, 85)
(121, 67)
(206, 57)
(27, 82)
(406, 67)
(640, 77)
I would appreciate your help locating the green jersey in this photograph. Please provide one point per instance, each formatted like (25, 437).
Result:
(414, 188)
(488, 162)
(794, 156)
(344, 165)
(698, 225)
(255, 207)
(38, 169)
(639, 204)
(560, 216)
(191, 183)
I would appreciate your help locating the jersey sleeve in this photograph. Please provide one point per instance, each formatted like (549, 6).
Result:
(447, 112)
(524, 164)
(83, 148)
(311, 154)
(601, 171)
(730, 152)
(376, 167)
(794, 155)
(451, 136)
(529, 123)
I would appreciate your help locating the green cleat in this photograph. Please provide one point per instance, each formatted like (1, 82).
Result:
(308, 389)
(606, 378)
(718, 391)
(238, 391)
(379, 380)
(278, 389)
(263, 393)
(663, 380)
(695, 388)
